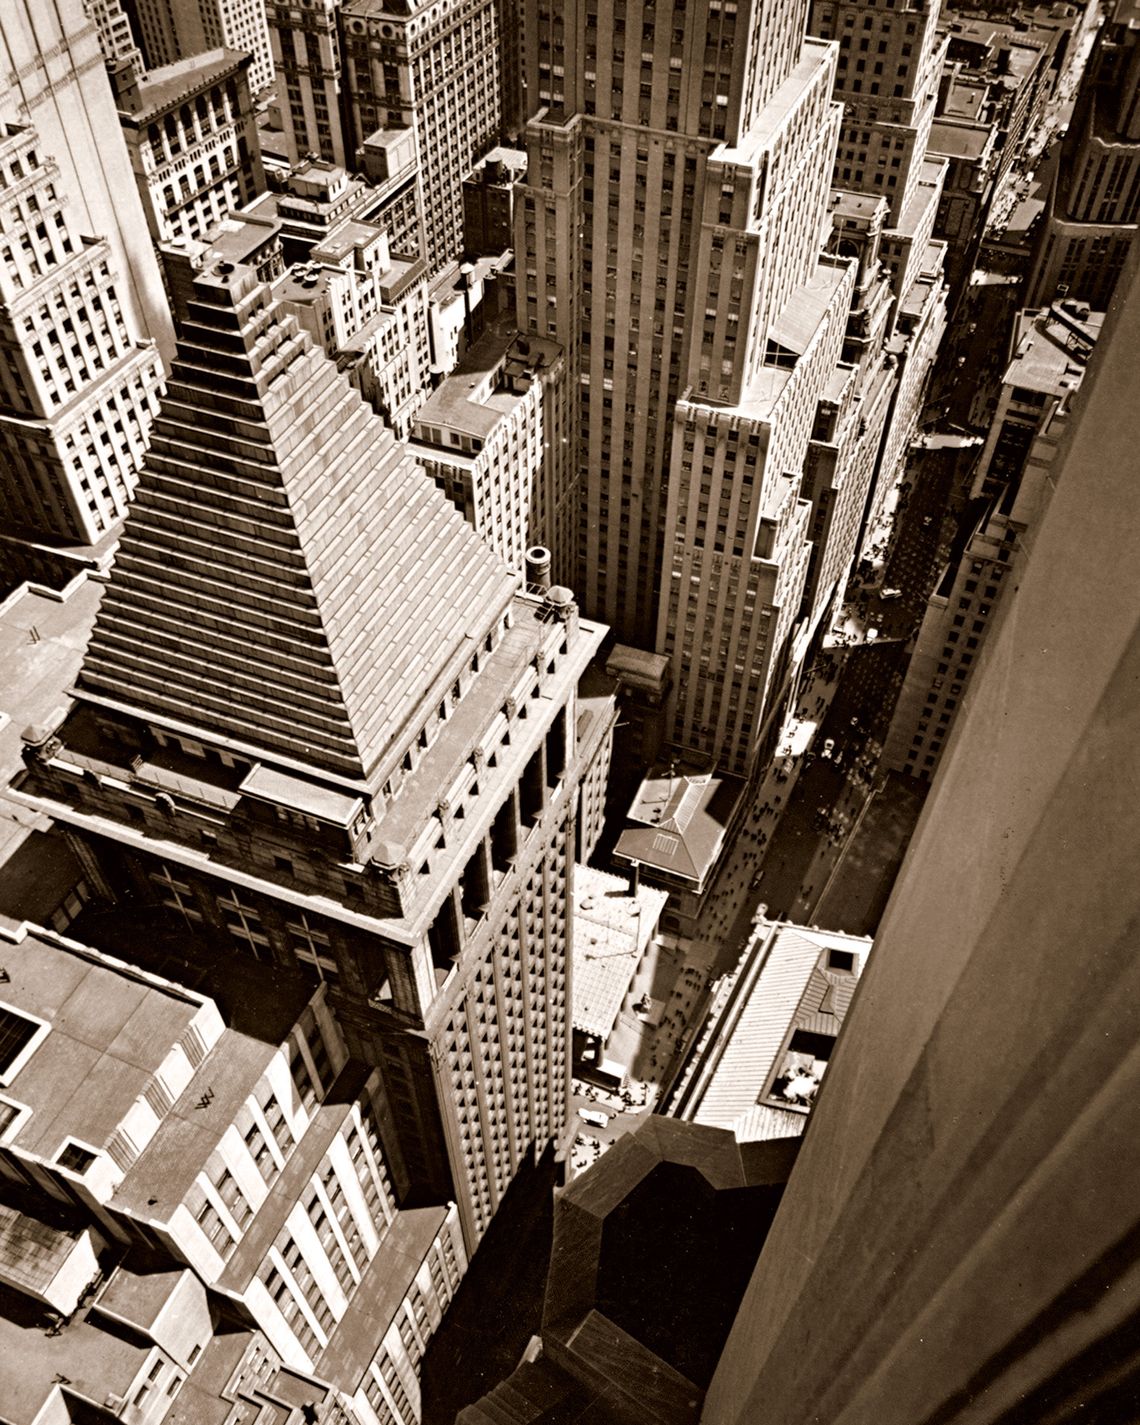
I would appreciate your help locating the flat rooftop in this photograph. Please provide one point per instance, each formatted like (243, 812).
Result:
(1046, 347)
(162, 89)
(612, 927)
(301, 283)
(846, 204)
(164, 1171)
(472, 400)
(959, 138)
(94, 1362)
(637, 668)
(233, 239)
(780, 106)
(42, 639)
(109, 1029)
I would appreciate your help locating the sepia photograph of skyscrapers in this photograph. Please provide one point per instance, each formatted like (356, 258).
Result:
(569, 712)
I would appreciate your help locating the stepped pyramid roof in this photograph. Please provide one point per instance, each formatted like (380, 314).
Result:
(289, 579)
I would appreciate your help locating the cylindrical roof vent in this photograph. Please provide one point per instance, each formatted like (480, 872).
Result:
(538, 566)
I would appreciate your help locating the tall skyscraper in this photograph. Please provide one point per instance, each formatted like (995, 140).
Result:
(1010, 492)
(670, 239)
(77, 391)
(955, 1242)
(342, 738)
(171, 30)
(361, 69)
(306, 59)
(52, 78)
(1091, 219)
(116, 38)
(890, 61)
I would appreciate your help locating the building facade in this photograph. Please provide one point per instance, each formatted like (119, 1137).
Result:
(670, 238)
(944, 1186)
(173, 30)
(417, 850)
(190, 131)
(368, 310)
(492, 436)
(54, 82)
(357, 75)
(78, 392)
(889, 65)
(1093, 212)
(1009, 495)
(306, 60)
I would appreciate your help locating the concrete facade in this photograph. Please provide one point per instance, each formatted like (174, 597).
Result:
(55, 82)
(79, 391)
(190, 131)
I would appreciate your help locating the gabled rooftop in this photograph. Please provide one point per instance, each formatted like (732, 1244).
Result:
(679, 820)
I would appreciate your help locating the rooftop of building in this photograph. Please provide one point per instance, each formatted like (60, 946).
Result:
(42, 637)
(781, 106)
(346, 239)
(530, 631)
(634, 667)
(99, 1352)
(98, 1032)
(847, 204)
(513, 161)
(679, 819)
(959, 138)
(316, 195)
(476, 396)
(139, 1297)
(238, 237)
(457, 278)
(931, 175)
(403, 602)
(964, 99)
(1051, 346)
(613, 924)
(161, 90)
(1013, 36)
(303, 282)
(652, 1248)
(927, 280)
(82, 1361)
(164, 1172)
(792, 987)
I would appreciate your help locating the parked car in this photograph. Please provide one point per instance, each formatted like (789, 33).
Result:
(594, 1117)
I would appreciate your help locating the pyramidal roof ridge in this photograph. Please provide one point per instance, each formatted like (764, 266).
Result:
(358, 564)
